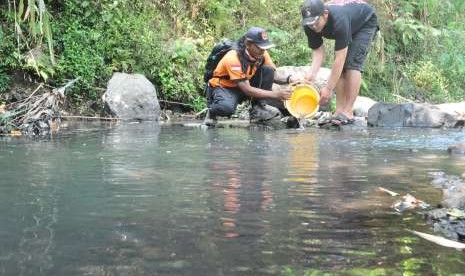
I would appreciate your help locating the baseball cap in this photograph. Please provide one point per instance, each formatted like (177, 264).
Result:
(259, 37)
(311, 11)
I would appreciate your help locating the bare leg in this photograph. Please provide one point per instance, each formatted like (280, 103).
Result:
(340, 95)
(352, 81)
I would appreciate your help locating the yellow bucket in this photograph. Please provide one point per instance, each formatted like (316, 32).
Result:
(303, 102)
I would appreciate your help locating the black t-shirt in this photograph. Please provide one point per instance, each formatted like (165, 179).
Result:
(345, 18)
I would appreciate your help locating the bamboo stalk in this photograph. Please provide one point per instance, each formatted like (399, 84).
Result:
(201, 112)
(164, 101)
(439, 240)
(90, 118)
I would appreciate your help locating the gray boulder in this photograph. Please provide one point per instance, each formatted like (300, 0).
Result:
(362, 105)
(457, 110)
(454, 109)
(132, 97)
(409, 115)
(298, 72)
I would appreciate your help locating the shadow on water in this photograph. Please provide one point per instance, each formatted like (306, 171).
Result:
(140, 199)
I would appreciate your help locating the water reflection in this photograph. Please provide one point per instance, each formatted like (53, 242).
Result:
(325, 179)
(143, 200)
(239, 182)
(303, 163)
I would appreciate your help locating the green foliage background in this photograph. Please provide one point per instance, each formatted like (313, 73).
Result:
(419, 53)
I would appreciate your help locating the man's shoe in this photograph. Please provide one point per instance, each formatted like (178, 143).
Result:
(263, 112)
(210, 119)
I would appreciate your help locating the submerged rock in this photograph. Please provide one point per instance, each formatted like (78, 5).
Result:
(448, 226)
(453, 188)
(457, 148)
(449, 218)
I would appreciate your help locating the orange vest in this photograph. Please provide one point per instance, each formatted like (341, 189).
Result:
(229, 70)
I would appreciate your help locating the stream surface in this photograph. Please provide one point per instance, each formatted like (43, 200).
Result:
(143, 199)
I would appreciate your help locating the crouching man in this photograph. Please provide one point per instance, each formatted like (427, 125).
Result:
(242, 74)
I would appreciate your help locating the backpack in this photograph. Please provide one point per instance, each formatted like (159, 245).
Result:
(217, 53)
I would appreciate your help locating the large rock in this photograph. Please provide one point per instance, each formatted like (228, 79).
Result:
(409, 115)
(132, 97)
(362, 105)
(298, 72)
(455, 109)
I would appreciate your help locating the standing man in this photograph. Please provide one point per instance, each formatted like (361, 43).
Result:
(245, 73)
(353, 25)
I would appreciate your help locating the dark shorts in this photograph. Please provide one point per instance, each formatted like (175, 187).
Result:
(358, 48)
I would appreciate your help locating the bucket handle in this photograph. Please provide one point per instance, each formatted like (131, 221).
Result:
(300, 82)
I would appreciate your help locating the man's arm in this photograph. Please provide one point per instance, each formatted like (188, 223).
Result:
(336, 70)
(251, 91)
(318, 56)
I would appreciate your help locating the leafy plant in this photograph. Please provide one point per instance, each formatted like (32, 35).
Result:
(39, 63)
(182, 80)
(5, 81)
(8, 60)
(430, 79)
(35, 16)
(168, 41)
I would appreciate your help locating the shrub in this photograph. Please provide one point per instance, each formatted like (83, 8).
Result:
(430, 79)
(168, 41)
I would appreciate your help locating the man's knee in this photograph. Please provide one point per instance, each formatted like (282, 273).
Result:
(223, 102)
(223, 110)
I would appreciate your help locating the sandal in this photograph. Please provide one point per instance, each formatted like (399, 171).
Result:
(341, 119)
(324, 122)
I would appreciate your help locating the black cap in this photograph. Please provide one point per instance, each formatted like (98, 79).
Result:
(311, 11)
(259, 37)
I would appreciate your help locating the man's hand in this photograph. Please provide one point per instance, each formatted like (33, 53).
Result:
(295, 79)
(283, 94)
(325, 95)
(298, 81)
(309, 77)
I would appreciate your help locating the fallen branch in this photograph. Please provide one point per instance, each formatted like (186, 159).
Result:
(90, 118)
(171, 102)
(439, 240)
(8, 106)
(388, 191)
(38, 114)
(33, 92)
(201, 112)
(91, 87)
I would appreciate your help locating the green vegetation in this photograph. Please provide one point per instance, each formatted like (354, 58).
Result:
(419, 53)
(287, 271)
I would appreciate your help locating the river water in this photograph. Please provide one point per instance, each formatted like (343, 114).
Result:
(142, 199)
